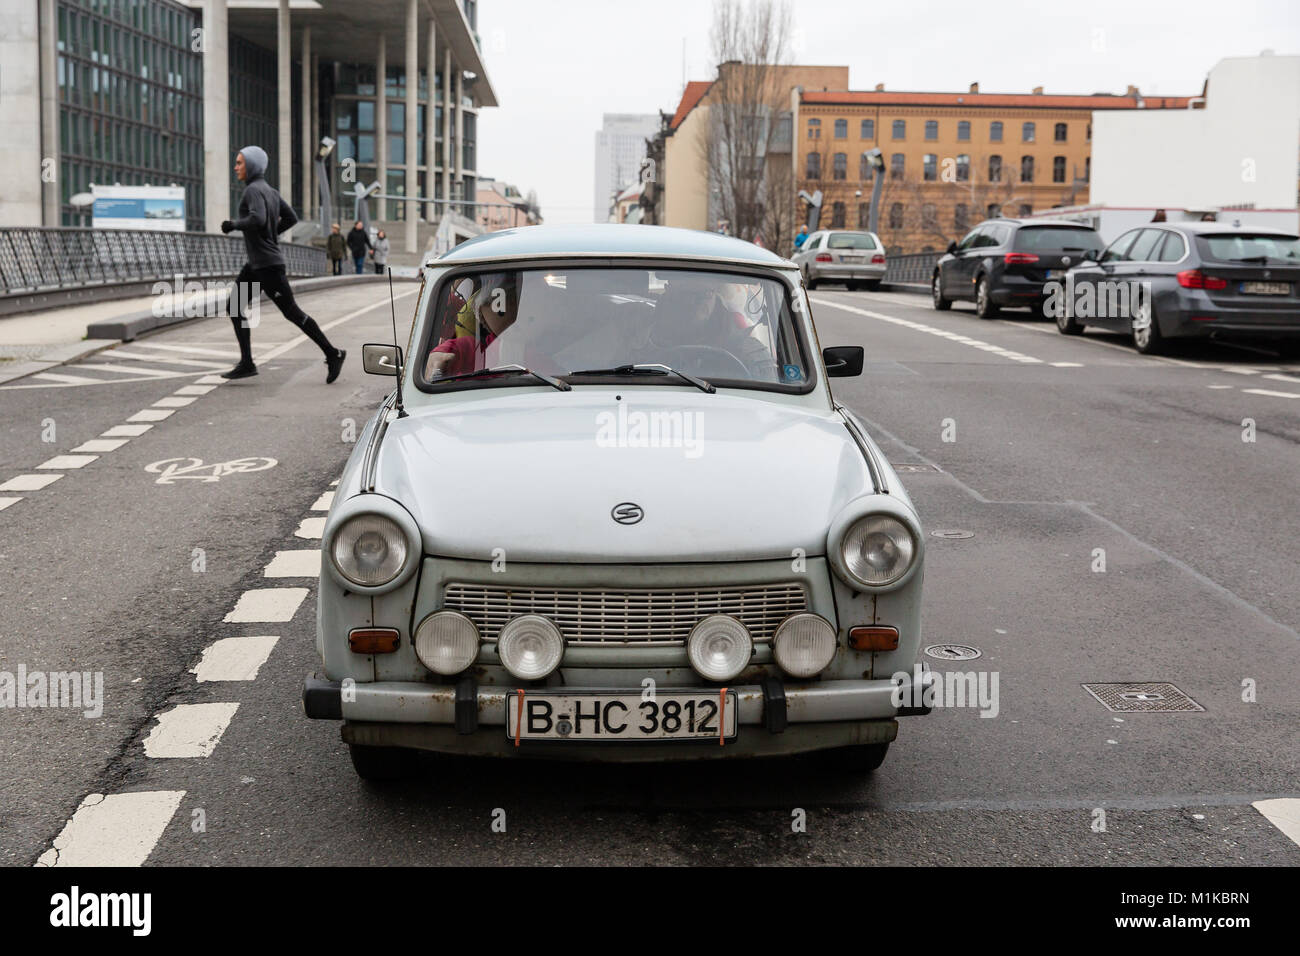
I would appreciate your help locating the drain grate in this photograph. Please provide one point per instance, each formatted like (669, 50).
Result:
(1150, 698)
(953, 652)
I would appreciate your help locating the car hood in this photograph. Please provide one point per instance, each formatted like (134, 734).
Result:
(533, 476)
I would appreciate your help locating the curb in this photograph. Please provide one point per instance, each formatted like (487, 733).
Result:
(128, 327)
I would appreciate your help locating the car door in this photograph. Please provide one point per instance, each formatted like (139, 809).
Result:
(1114, 302)
(804, 255)
(1089, 280)
(954, 275)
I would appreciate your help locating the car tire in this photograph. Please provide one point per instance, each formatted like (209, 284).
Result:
(378, 764)
(985, 307)
(1288, 349)
(862, 758)
(1066, 325)
(853, 286)
(940, 303)
(871, 285)
(1149, 341)
(810, 283)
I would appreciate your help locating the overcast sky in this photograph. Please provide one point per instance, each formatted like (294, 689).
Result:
(558, 65)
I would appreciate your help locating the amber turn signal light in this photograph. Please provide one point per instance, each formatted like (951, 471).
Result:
(873, 638)
(374, 640)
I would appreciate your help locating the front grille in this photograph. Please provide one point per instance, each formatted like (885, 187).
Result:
(641, 616)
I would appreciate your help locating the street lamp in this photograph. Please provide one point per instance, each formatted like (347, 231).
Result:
(876, 160)
(326, 201)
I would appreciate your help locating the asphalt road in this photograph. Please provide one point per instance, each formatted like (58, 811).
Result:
(1060, 447)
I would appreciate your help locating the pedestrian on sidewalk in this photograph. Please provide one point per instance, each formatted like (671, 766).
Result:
(334, 248)
(263, 215)
(379, 252)
(358, 243)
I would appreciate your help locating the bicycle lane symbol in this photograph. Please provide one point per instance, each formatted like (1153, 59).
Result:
(172, 470)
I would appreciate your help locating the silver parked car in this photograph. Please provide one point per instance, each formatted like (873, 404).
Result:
(833, 255)
(613, 511)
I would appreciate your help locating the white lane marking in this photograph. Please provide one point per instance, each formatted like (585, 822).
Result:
(67, 379)
(931, 330)
(1278, 377)
(233, 658)
(1269, 392)
(211, 380)
(29, 482)
(1066, 364)
(194, 390)
(139, 371)
(189, 730)
(120, 829)
(193, 363)
(102, 444)
(172, 401)
(125, 431)
(299, 339)
(334, 482)
(194, 349)
(323, 502)
(68, 461)
(310, 528)
(1283, 813)
(1220, 386)
(149, 415)
(6, 502)
(294, 564)
(1242, 371)
(266, 605)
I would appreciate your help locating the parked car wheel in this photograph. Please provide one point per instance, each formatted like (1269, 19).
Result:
(940, 303)
(1066, 325)
(382, 763)
(853, 286)
(809, 282)
(872, 285)
(1148, 340)
(985, 307)
(863, 758)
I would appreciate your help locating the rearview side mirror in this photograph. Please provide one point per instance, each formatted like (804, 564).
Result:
(952, 248)
(381, 359)
(844, 361)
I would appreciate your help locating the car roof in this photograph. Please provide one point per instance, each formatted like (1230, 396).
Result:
(609, 239)
(1008, 221)
(1220, 227)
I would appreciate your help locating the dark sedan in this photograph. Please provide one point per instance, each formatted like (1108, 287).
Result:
(1189, 280)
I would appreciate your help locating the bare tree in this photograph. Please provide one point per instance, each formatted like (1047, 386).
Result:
(750, 45)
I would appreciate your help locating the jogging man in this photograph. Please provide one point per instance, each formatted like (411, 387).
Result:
(263, 215)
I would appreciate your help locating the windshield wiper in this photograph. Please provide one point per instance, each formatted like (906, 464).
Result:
(504, 370)
(649, 368)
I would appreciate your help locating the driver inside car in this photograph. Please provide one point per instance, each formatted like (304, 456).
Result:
(693, 317)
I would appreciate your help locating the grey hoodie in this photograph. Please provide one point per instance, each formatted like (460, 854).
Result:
(263, 215)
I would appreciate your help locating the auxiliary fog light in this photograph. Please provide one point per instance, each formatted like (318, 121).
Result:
(804, 645)
(530, 646)
(446, 642)
(719, 647)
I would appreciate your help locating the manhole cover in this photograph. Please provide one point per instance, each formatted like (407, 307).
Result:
(1155, 698)
(953, 652)
(952, 534)
(911, 467)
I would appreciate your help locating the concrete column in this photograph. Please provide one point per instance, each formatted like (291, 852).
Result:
(446, 125)
(284, 148)
(460, 135)
(315, 133)
(218, 160)
(50, 189)
(412, 211)
(431, 123)
(381, 124)
(23, 45)
(308, 145)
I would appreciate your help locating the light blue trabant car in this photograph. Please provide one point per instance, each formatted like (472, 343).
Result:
(612, 511)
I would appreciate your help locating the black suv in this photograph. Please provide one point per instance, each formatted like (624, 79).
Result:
(1006, 262)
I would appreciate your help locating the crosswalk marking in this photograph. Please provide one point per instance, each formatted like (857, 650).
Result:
(189, 730)
(139, 370)
(266, 605)
(233, 658)
(120, 829)
(65, 379)
(192, 349)
(118, 353)
(29, 482)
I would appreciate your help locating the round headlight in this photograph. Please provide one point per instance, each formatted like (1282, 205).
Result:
(804, 645)
(369, 550)
(719, 647)
(530, 646)
(878, 550)
(446, 642)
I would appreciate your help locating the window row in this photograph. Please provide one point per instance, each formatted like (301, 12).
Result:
(898, 131)
(930, 172)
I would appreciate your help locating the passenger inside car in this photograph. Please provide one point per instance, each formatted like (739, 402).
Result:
(488, 312)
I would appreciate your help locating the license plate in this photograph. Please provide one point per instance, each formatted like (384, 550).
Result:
(1056, 273)
(596, 717)
(1266, 288)
(850, 258)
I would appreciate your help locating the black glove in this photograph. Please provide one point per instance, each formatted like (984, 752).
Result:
(227, 225)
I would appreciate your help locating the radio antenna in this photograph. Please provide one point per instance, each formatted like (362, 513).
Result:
(397, 349)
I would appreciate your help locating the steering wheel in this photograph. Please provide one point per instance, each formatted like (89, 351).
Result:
(695, 359)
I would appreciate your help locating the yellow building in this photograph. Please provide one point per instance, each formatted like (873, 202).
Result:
(950, 159)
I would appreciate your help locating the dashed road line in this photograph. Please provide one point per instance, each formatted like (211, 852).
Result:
(294, 564)
(120, 829)
(1283, 813)
(194, 390)
(310, 528)
(68, 461)
(150, 415)
(66, 379)
(174, 401)
(234, 658)
(195, 363)
(190, 349)
(1270, 393)
(125, 431)
(7, 502)
(30, 482)
(323, 502)
(189, 730)
(102, 444)
(266, 605)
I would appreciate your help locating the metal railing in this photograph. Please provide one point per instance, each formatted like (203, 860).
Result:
(915, 267)
(34, 260)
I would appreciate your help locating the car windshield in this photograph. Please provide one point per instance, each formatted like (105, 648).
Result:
(1036, 238)
(1229, 247)
(585, 324)
(850, 240)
